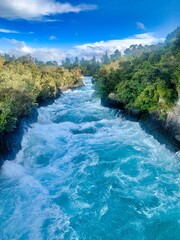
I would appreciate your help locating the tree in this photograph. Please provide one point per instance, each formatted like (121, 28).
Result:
(76, 62)
(25, 59)
(116, 55)
(52, 63)
(105, 58)
(94, 61)
(67, 63)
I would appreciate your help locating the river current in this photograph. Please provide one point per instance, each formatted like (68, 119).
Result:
(84, 172)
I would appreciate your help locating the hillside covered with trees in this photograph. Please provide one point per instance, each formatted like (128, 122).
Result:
(145, 78)
(24, 84)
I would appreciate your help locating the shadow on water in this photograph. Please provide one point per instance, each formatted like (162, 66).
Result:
(153, 128)
(150, 125)
(10, 143)
(160, 134)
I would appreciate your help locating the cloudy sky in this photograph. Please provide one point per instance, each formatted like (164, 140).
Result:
(54, 29)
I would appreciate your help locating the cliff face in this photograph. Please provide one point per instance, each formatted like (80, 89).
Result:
(172, 123)
(10, 143)
(166, 131)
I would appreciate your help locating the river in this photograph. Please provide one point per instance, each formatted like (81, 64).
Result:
(85, 172)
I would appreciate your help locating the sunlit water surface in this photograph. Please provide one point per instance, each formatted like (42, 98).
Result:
(86, 173)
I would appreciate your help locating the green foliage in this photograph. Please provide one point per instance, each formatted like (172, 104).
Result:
(127, 91)
(115, 56)
(107, 80)
(13, 104)
(147, 78)
(24, 84)
(148, 98)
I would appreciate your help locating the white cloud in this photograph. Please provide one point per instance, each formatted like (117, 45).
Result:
(98, 48)
(87, 51)
(140, 25)
(37, 9)
(3, 30)
(52, 38)
(50, 20)
(20, 48)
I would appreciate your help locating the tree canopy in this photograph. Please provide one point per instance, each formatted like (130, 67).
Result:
(24, 84)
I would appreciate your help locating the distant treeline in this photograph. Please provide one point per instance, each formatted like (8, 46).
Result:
(92, 66)
(87, 67)
(145, 78)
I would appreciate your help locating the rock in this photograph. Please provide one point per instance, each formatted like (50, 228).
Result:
(10, 143)
(166, 130)
(160, 130)
(112, 102)
(173, 122)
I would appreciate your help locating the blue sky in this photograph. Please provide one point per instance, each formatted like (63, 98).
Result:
(52, 30)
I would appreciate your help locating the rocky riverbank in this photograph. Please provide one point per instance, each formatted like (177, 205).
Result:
(165, 130)
(10, 142)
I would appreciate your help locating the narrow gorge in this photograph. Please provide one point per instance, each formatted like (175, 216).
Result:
(86, 172)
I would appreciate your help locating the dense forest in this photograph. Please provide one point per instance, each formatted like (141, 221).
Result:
(24, 84)
(145, 77)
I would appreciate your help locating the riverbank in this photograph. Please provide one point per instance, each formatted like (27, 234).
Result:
(145, 84)
(10, 142)
(164, 130)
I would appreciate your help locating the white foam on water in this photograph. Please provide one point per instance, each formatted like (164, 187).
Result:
(63, 183)
(12, 170)
(103, 211)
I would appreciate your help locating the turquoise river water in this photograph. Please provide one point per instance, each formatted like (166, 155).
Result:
(85, 173)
